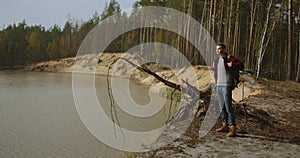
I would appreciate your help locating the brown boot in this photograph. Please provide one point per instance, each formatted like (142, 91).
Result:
(224, 128)
(232, 131)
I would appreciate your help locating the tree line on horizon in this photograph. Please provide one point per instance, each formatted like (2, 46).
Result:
(264, 34)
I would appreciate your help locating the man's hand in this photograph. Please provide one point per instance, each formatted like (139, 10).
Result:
(229, 64)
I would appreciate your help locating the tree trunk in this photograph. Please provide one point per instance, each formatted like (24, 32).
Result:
(220, 20)
(188, 27)
(225, 32)
(210, 16)
(236, 29)
(203, 25)
(229, 26)
(214, 21)
(290, 40)
(298, 70)
(261, 45)
(249, 50)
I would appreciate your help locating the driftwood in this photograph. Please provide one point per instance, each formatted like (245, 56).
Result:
(192, 92)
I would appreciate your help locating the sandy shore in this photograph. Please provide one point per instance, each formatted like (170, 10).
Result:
(203, 74)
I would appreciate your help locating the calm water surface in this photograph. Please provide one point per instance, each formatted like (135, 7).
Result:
(38, 117)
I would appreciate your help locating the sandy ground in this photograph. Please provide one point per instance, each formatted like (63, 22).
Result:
(268, 112)
(269, 128)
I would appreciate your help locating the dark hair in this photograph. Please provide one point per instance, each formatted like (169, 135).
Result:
(222, 45)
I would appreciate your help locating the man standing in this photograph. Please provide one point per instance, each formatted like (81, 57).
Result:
(224, 69)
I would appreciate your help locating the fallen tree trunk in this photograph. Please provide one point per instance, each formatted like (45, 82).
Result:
(193, 93)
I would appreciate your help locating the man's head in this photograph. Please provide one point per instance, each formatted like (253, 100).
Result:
(221, 48)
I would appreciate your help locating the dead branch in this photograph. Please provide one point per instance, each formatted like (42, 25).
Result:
(193, 93)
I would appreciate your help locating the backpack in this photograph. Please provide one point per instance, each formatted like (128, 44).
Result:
(235, 73)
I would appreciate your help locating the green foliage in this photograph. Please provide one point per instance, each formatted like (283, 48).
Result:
(170, 94)
(110, 9)
(22, 44)
(133, 155)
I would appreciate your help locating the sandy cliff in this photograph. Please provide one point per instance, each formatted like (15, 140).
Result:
(85, 63)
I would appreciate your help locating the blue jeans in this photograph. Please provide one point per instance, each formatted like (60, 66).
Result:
(224, 94)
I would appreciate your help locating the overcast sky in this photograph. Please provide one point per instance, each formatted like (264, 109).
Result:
(50, 12)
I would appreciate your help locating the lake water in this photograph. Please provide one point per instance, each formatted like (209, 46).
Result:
(38, 117)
